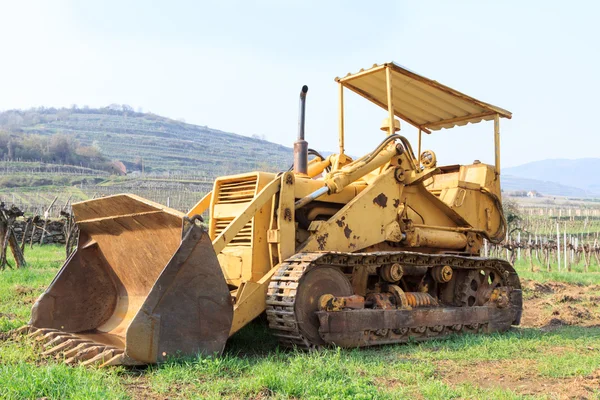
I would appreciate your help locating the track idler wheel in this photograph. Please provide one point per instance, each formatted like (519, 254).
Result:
(391, 272)
(314, 284)
(442, 274)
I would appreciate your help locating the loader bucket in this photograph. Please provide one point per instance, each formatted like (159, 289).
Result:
(144, 284)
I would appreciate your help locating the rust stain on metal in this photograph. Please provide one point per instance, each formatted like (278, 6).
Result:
(347, 232)
(396, 203)
(416, 299)
(322, 240)
(287, 214)
(289, 180)
(340, 222)
(330, 303)
(381, 200)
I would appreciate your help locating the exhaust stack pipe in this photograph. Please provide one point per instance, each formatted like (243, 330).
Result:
(301, 145)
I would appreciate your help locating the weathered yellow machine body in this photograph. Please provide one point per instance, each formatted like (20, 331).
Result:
(382, 249)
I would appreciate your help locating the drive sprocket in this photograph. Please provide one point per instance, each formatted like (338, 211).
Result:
(477, 287)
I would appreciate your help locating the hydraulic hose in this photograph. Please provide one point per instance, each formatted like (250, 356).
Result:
(368, 157)
(365, 160)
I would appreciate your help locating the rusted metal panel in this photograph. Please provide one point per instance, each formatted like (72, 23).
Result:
(362, 222)
(330, 302)
(361, 320)
(357, 328)
(189, 309)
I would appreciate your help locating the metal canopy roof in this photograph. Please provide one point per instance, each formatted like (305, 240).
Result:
(422, 102)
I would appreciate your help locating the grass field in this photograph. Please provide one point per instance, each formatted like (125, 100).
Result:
(541, 359)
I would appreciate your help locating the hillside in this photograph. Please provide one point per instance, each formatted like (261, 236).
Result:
(160, 144)
(558, 176)
(179, 161)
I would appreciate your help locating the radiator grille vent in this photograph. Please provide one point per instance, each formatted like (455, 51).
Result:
(236, 192)
(241, 191)
(243, 238)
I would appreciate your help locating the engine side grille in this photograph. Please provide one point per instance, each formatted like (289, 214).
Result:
(241, 191)
(243, 238)
(236, 192)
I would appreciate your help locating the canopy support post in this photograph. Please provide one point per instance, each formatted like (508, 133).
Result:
(388, 75)
(419, 153)
(497, 143)
(341, 120)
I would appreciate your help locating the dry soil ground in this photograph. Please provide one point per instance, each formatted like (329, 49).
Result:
(547, 307)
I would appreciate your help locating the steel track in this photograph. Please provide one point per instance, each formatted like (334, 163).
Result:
(281, 294)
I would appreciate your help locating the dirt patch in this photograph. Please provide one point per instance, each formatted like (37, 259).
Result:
(569, 299)
(536, 287)
(553, 304)
(26, 294)
(23, 290)
(521, 377)
(29, 300)
(139, 388)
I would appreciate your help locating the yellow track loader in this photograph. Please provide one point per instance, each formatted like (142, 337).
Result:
(381, 249)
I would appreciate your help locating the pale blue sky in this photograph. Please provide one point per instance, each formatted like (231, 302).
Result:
(239, 66)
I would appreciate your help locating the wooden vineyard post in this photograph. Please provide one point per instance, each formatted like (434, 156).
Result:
(558, 246)
(572, 248)
(548, 267)
(32, 235)
(8, 238)
(46, 215)
(585, 257)
(595, 251)
(507, 242)
(24, 238)
(519, 245)
(16, 250)
(3, 245)
(71, 232)
(64, 208)
(566, 251)
(537, 249)
(530, 249)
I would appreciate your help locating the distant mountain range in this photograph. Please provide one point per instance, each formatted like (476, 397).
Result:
(560, 177)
